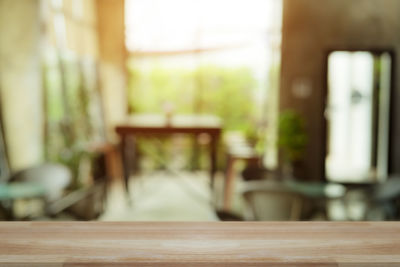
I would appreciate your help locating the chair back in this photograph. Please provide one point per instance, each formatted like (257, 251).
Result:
(273, 201)
(54, 177)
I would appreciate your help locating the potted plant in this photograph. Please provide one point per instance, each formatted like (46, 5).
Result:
(292, 140)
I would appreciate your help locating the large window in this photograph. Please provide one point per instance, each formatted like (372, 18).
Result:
(73, 110)
(218, 57)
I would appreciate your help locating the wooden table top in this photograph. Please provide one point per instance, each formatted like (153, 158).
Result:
(199, 244)
(159, 122)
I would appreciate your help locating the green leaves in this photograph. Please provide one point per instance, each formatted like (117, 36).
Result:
(292, 138)
(225, 92)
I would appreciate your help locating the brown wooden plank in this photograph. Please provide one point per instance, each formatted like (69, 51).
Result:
(199, 244)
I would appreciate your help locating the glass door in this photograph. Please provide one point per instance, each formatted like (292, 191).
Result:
(357, 116)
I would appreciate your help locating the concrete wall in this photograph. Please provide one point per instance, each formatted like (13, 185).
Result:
(20, 81)
(310, 28)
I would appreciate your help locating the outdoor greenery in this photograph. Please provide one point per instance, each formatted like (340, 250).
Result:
(71, 122)
(225, 92)
(292, 138)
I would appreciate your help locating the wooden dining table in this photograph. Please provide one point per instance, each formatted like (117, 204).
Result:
(154, 125)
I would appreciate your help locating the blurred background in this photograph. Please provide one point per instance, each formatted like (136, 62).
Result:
(177, 110)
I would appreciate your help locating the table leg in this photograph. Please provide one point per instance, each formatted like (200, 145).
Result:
(228, 184)
(125, 163)
(128, 155)
(213, 158)
(194, 163)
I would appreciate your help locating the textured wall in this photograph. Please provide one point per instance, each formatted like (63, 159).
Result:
(20, 81)
(310, 29)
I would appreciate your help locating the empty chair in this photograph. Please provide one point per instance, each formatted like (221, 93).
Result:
(374, 202)
(53, 177)
(384, 200)
(272, 201)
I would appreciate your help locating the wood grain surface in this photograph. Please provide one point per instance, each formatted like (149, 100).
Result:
(199, 244)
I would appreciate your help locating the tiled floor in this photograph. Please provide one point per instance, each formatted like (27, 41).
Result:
(180, 196)
(164, 196)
